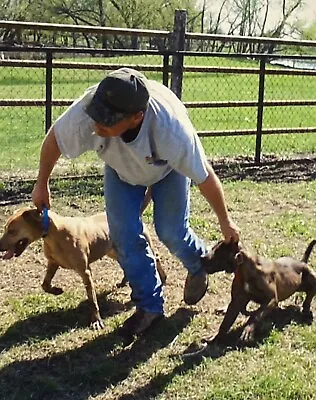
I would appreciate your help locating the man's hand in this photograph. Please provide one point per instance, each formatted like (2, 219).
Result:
(41, 196)
(229, 230)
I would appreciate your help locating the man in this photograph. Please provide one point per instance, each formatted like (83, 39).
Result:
(143, 133)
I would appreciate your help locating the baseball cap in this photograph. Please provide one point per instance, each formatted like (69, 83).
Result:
(121, 93)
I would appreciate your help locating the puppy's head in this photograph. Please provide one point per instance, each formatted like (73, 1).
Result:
(221, 258)
(21, 229)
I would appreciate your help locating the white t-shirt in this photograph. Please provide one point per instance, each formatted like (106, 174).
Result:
(166, 141)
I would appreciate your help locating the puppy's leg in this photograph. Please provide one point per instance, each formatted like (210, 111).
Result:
(96, 320)
(256, 317)
(161, 272)
(47, 283)
(307, 313)
(309, 286)
(238, 303)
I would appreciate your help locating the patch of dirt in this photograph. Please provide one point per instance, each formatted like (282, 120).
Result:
(270, 170)
(15, 191)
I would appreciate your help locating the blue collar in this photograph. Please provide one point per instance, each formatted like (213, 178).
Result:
(45, 221)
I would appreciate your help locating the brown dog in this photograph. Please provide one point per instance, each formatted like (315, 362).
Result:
(261, 280)
(71, 242)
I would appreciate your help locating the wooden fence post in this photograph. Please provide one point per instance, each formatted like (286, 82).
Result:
(178, 44)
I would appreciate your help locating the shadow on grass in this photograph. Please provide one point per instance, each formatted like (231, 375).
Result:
(278, 319)
(49, 324)
(88, 370)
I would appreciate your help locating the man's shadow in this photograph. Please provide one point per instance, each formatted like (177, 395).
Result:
(278, 319)
(90, 369)
(48, 325)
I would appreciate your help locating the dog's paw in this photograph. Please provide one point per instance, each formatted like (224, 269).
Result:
(56, 291)
(247, 335)
(307, 316)
(97, 325)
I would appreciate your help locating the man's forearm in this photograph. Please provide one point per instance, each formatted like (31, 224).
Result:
(212, 190)
(50, 153)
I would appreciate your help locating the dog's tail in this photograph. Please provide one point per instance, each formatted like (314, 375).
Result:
(308, 251)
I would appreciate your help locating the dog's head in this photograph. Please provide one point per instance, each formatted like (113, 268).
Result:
(221, 258)
(21, 229)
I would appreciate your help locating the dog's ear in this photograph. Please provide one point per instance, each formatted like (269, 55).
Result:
(32, 217)
(239, 258)
(235, 246)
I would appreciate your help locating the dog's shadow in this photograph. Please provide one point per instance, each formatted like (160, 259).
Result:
(90, 369)
(277, 320)
(47, 325)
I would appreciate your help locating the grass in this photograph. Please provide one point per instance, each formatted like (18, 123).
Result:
(48, 351)
(22, 128)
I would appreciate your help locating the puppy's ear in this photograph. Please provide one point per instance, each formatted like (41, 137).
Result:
(239, 258)
(32, 217)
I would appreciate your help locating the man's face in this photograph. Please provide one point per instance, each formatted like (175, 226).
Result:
(130, 122)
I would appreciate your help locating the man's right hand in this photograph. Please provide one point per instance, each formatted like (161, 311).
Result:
(41, 196)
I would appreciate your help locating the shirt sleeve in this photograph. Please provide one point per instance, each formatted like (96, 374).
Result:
(74, 130)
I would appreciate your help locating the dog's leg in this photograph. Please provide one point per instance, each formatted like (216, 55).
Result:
(96, 321)
(308, 286)
(238, 303)
(256, 317)
(161, 272)
(307, 313)
(47, 283)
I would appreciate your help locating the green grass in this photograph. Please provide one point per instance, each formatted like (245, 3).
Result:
(48, 351)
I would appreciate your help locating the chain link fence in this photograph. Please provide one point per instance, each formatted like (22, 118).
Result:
(246, 107)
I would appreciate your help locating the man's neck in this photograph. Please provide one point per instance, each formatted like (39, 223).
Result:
(131, 134)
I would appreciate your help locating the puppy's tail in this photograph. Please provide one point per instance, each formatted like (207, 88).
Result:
(308, 251)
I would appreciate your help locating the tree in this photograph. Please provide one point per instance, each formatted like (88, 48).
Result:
(263, 18)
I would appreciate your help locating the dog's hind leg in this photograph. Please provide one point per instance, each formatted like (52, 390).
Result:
(96, 320)
(256, 317)
(308, 286)
(47, 282)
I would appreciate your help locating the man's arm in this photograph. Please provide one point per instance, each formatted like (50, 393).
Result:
(212, 190)
(49, 155)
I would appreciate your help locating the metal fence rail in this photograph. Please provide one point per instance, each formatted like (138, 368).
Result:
(249, 107)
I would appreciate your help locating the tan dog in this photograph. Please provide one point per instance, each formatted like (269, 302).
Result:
(71, 243)
(265, 282)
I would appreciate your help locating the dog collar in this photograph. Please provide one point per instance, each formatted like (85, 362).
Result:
(45, 221)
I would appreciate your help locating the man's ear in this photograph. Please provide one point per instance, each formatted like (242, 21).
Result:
(138, 117)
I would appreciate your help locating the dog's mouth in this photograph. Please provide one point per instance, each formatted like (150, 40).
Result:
(17, 249)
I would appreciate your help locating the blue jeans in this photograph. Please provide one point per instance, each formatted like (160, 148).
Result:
(171, 197)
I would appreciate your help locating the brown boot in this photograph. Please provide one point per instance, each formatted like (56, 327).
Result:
(195, 287)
